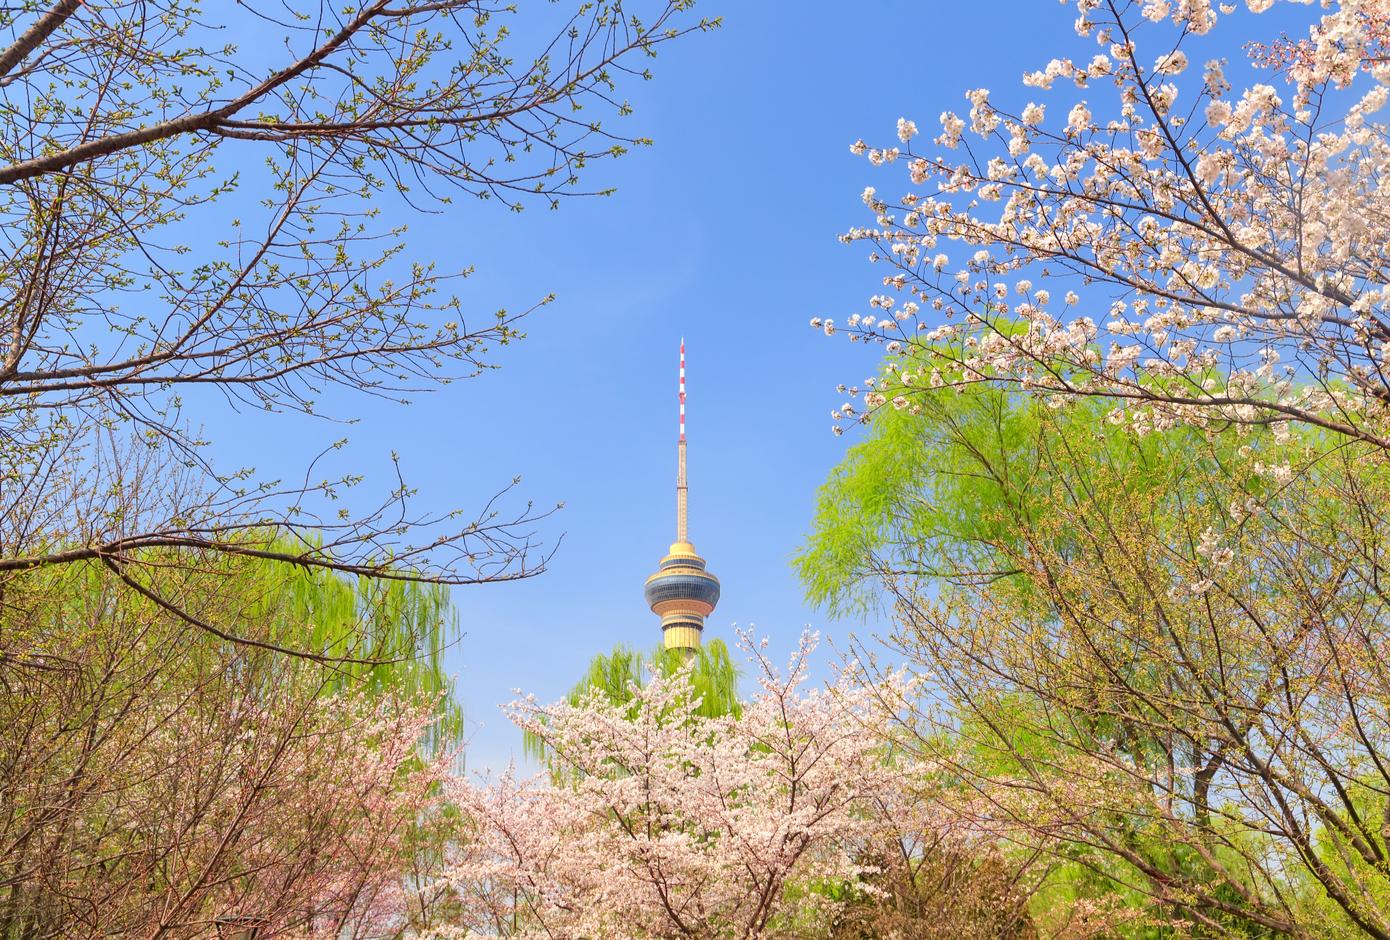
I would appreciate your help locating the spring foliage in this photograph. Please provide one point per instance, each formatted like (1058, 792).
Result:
(1158, 664)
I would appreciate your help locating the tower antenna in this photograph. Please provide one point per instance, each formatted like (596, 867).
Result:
(682, 491)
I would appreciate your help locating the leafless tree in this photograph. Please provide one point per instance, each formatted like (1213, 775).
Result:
(186, 219)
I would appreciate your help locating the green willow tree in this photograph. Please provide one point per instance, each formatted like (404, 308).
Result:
(357, 623)
(1157, 658)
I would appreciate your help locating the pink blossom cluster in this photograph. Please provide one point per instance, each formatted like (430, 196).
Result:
(676, 824)
(321, 833)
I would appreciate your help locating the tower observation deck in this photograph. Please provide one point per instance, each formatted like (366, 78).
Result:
(682, 593)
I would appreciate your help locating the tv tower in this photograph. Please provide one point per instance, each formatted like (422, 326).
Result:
(682, 593)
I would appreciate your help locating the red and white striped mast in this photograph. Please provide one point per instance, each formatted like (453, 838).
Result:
(682, 534)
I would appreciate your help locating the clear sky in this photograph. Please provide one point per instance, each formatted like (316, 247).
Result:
(724, 232)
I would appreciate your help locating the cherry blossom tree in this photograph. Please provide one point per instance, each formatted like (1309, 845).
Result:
(678, 824)
(1134, 228)
(1160, 642)
(156, 779)
(713, 678)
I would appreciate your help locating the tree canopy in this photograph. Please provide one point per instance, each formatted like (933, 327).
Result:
(1158, 661)
(157, 777)
(617, 677)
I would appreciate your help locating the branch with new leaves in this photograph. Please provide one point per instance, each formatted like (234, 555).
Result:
(195, 223)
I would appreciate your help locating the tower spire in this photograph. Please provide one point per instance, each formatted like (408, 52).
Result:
(682, 593)
(682, 529)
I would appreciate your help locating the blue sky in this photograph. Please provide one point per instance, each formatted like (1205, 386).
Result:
(725, 232)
